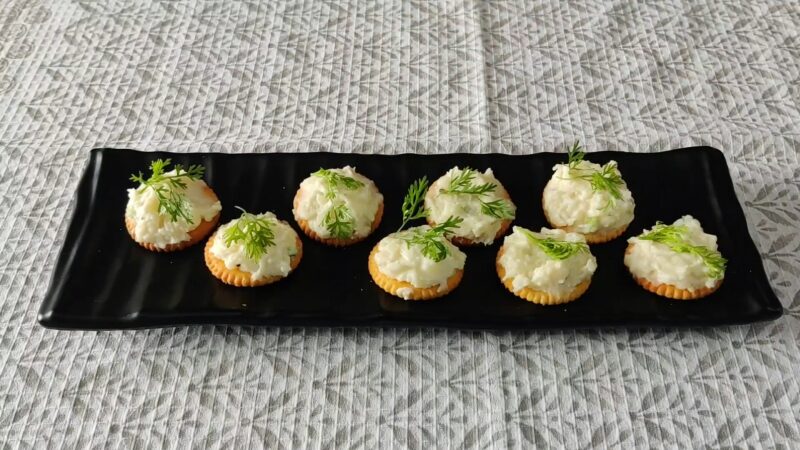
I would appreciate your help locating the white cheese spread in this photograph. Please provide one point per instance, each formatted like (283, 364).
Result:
(276, 261)
(314, 203)
(399, 260)
(154, 227)
(571, 202)
(476, 226)
(528, 266)
(659, 264)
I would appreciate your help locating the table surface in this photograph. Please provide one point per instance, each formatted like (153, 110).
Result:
(390, 77)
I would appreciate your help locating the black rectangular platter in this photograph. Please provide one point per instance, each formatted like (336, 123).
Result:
(103, 280)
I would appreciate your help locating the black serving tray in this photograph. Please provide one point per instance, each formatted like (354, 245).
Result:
(103, 280)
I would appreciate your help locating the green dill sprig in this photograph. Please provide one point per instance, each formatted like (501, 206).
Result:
(170, 188)
(432, 240)
(575, 155)
(606, 179)
(339, 219)
(499, 209)
(463, 183)
(255, 233)
(340, 222)
(413, 207)
(673, 236)
(555, 248)
(334, 180)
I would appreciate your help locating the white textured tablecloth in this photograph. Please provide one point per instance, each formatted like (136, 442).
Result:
(385, 77)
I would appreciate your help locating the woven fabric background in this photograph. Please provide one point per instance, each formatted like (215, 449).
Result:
(510, 76)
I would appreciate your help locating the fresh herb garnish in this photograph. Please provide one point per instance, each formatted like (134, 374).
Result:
(339, 219)
(413, 207)
(497, 208)
(254, 232)
(463, 183)
(339, 222)
(673, 237)
(606, 179)
(432, 239)
(169, 188)
(556, 249)
(334, 180)
(575, 155)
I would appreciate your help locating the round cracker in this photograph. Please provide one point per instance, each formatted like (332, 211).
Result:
(537, 296)
(462, 241)
(595, 237)
(240, 278)
(671, 291)
(393, 286)
(335, 242)
(203, 229)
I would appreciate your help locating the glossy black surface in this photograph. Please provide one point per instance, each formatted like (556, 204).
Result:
(104, 280)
